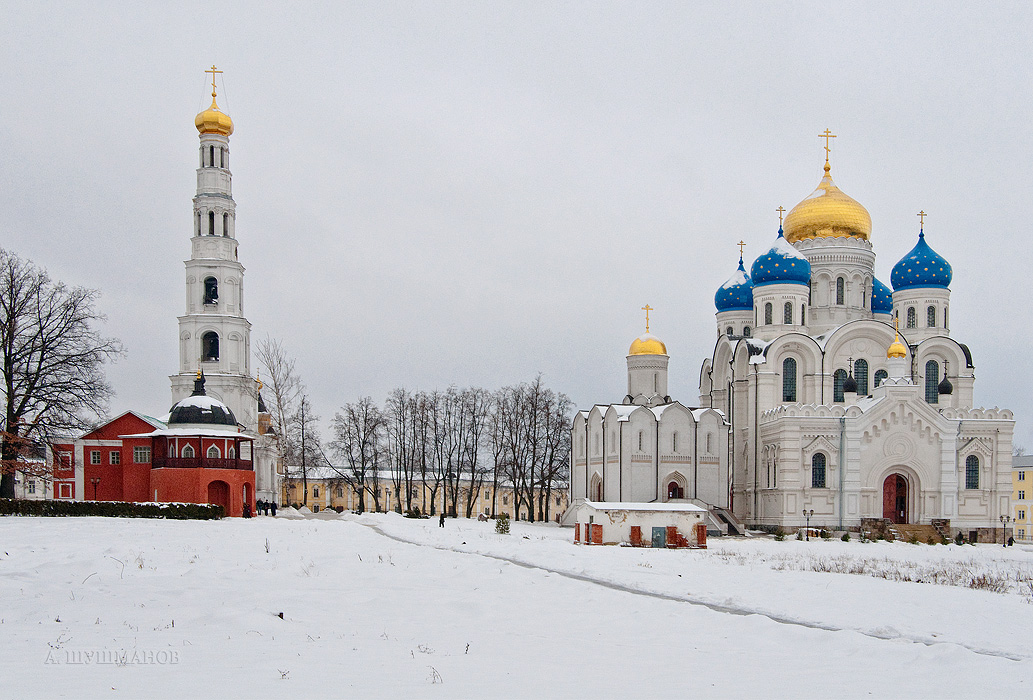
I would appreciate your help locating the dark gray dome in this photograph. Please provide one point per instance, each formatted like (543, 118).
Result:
(199, 408)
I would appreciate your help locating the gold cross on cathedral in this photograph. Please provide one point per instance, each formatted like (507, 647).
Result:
(742, 247)
(647, 308)
(780, 210)
(921, 219)
(827, 135)
(213, 71)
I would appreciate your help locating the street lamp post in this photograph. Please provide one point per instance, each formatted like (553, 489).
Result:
(807, 514)
(1005, 519)
(95, 480)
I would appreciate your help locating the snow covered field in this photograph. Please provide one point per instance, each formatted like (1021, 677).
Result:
(381, 606)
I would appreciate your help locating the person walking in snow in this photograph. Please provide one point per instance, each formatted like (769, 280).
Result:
(441, 520)
(272, 507)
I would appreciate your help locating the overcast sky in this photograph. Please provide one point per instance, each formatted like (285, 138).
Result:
(471, 193)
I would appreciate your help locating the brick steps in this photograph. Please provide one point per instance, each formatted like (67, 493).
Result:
(919, 533)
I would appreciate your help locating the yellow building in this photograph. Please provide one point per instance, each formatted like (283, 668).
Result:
(326, 488)
(1022, 490)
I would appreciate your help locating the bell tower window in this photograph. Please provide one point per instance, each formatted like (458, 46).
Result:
(210, 347)
(840, 291)
(912, 317)
(225, 224)
(930, 317)
(767, 314)
(211, 156)
(211, 290)
(211, 223)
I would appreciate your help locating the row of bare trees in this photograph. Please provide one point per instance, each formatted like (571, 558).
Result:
(438, 449)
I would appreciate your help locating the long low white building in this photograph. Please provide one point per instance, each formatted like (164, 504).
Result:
(670, 525)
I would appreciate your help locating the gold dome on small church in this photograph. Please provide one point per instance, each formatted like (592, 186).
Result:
(647, 344)
(213, 120)
(896, 349)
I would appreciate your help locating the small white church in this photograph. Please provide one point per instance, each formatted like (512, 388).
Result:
(814, 406)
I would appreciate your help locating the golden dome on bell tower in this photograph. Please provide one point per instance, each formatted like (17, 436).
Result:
(647, 343)
(827, 212)
(213, 120)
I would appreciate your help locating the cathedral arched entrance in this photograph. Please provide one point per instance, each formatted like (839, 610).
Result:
(895, 499)
(595, 489)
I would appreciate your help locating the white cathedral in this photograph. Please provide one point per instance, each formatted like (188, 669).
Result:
(214, 334)
(813, 406)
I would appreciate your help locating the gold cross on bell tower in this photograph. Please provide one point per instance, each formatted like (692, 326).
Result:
(827, 135)
(780, 210)
(647, 308)
(921, 219)
(213, 71)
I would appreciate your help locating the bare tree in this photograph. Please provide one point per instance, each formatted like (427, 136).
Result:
(52, 361)
(358, 440)
(286, 389)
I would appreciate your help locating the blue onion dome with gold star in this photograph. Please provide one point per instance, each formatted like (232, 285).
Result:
(736, 294)
(882, 298)
(782, 264)
(922, 268)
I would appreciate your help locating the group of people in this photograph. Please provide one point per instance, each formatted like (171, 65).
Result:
(265, 507)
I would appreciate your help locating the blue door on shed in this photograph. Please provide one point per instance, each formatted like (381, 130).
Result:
(659, 537)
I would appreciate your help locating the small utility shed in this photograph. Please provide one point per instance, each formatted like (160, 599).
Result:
(670, 525)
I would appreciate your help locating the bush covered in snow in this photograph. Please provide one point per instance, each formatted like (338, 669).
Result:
(111, 509)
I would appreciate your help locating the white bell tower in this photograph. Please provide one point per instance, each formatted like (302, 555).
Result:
(214, 335)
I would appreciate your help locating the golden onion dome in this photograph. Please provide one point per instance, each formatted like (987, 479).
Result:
(897, 349)
(647, 344)
(827, 213)
(213, 120)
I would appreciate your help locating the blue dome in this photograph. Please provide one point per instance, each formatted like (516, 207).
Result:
(922, 267)
(882, 298)
(782, 264)
(737, 293)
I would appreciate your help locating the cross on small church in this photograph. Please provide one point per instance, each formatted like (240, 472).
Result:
(647, 308)
(827, 135)
(213, 71)
(742, 247)
(921, 219)
(780, 210)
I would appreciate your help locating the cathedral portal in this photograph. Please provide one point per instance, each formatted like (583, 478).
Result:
(894, 499)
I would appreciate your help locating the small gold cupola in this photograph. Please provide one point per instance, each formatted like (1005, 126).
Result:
(647, 343)
(213, 120)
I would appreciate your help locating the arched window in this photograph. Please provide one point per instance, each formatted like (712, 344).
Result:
(972, 472)
(211, 290)
(912, 321)
(231, 453)
(640, 441)
(746, 332)
(674, 442)
(710, 443)
(789, 379)
(837, 385)
(767, 314)
(187, 452)
(211, 156)
(945, 318)
(340, 491)
(213, 452)
(864, 295)
(818, 471)
(222, 157)
(787, 313)
(728, 331)
(803, 315)
(840, 291)
(211, 223)
(861, 376)
(225, 224)
(880, 375)
(930, 317)
(932, 379)
(210, 346)
(199, 219)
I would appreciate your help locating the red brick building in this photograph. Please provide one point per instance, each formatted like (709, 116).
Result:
(199, 456)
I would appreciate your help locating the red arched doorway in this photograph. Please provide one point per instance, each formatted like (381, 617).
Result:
(674, 490)
(219, 494)
(894, 499)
